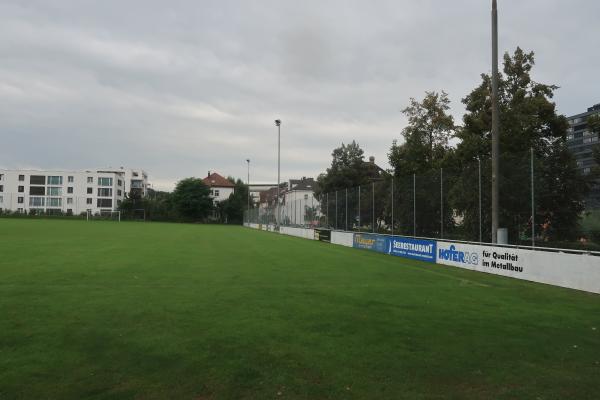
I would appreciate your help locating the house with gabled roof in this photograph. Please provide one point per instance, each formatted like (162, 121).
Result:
(220, 188)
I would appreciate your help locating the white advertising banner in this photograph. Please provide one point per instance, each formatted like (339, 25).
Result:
(575, 271)
(299, 232)
(342, 238)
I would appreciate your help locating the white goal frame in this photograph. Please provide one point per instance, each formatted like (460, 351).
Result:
(89, 216)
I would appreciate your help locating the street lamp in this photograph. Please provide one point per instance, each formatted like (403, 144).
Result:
(278, 124)
(495, 126)
(248, 181)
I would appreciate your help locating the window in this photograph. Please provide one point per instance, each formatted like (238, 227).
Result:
(69, 211)
(104, 203)
(119, 193)
(104, 192)
(305, 197)
(70, 189)
(216, 193)
(37, 180)
(88, 201)
(1, 188)
(54, 202)
(55, 180)
(90, 190)
(105, 181)
(20, 200)
(21, 189)
(20, 210)
(69, 200)
(586, 171)
(36, 202)
(135, 174)
(70, 179)
(1, 177)
(21, 178)
(90, 179)
(119, 182)
(1, 199)
(118, 202)
(54, 191)
(37, 190)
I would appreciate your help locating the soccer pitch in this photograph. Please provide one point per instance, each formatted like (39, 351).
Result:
(106, 310)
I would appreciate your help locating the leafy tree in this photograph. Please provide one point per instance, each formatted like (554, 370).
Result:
(232, 210)
(423, 153)
(528, 120)
(191, 199)
(347, 170)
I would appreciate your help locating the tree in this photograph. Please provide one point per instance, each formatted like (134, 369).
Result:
(528, 120)
(191, 199)
(231, 211)
(347, 170)
(423, 153)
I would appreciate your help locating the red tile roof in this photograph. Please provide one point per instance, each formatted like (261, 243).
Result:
(216, 180)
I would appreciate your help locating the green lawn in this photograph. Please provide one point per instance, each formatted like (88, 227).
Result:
(106, 310)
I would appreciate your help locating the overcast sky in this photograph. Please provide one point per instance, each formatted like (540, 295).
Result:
(182, 87)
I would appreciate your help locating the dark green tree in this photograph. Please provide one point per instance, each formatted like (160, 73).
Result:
(423, 153)
(528, 120)
(347, 169)
(232, 210)
(191, 199)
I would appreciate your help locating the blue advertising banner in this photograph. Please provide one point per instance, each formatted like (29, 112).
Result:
(417, 249)
(370, 242)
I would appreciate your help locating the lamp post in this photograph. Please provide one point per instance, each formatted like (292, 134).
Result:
(248, 182)
(278, 124)
(495, 125)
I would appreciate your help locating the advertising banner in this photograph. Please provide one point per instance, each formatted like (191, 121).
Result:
(417, 249)
(371, 242)
(496, 260)
(323, 235)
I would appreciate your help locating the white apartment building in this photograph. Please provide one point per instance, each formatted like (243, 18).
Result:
(71, 192)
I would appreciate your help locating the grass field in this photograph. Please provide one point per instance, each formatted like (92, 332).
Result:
(106, 310)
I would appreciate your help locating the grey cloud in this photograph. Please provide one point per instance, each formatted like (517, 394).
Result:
(183, 87)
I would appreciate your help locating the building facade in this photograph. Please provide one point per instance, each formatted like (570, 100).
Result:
(581, 142)
(220, 188)
(300, 206)
(69, 192)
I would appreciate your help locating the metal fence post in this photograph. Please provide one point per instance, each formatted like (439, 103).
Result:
(346, 213)
(441, 203)
(414, 205)
(373, 207)
(336, 210)
(479, 167)
(532, 203)
(359, 208)
(392, 205)
(327, 213)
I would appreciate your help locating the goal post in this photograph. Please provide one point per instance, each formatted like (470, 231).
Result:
(106, 215)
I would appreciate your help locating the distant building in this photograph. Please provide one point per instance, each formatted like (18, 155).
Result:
(300, 206)
(581, 142)
(71, 192)
(220, 188)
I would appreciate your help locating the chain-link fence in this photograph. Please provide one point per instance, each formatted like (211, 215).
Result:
(538, 205)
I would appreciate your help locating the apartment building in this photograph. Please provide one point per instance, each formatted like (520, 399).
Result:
(71, 192)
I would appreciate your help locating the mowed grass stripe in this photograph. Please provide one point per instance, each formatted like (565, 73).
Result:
(106, 310)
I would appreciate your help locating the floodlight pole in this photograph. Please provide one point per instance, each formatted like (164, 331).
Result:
(532, 203)
(495, 125)
(278, 124)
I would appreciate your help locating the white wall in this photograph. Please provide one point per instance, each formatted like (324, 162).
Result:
(342, 238)
(299, 232)
(575, 271)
